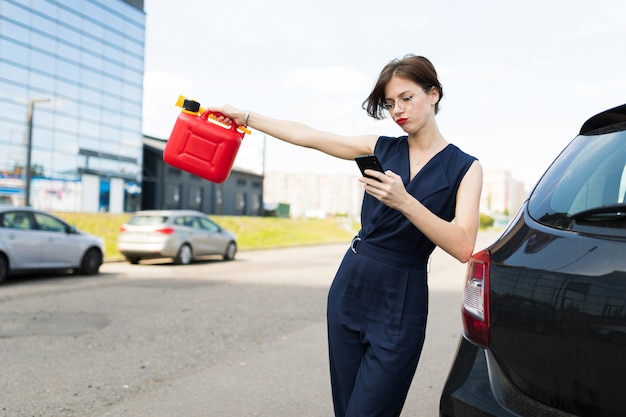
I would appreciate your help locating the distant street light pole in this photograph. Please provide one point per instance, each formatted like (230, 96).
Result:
(29, 145)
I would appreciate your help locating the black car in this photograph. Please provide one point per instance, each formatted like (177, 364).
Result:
(544, 308)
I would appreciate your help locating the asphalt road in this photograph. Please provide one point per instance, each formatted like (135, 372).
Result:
(242, 338)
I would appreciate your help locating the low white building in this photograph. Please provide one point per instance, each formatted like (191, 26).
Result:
(319, 195)
(502, 195)
(314, 195)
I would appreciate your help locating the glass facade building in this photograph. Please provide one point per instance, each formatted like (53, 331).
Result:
(71, 90)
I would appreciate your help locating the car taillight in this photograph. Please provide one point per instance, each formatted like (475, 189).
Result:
(166, 230)
(122, 229)
(476, 299)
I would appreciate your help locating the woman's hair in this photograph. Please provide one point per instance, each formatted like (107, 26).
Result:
(414, 68)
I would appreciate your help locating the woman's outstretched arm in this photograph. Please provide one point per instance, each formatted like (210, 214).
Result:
(344, 147)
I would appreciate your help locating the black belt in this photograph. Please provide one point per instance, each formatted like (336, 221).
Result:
(361, 247)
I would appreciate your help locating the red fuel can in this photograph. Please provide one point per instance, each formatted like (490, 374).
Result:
(201, 145)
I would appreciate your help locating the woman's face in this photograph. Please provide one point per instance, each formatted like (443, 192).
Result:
(408, 104)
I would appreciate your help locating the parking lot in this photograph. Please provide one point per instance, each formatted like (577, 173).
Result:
(242, 338)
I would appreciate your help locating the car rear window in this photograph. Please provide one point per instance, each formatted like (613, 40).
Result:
(147, 220)
(585, 188)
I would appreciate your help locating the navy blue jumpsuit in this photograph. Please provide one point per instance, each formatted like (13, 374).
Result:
(378, 301)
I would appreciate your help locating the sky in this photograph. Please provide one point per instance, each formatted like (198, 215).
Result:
(519, 79)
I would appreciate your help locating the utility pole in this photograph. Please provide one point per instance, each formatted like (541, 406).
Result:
(29, 146)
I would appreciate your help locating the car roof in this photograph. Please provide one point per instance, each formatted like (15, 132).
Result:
(612, 120)
(168, 213)
(10, 207)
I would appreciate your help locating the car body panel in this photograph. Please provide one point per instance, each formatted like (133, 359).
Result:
(549, 344)
(468, 391)
(544, 318)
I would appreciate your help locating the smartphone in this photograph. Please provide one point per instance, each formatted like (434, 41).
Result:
(369, 161)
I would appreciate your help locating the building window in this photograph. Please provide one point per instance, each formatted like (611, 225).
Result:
(256, 204)
(195, 197)
(173, 196)
(240, 203)
(219, 201)
(132, 195)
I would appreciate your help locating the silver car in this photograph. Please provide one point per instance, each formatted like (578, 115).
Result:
(33, 240)
(179, 234)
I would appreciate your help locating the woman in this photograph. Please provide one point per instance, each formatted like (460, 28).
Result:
(378, 302)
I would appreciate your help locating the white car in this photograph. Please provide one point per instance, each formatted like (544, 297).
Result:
(179, 234)
(32, 240)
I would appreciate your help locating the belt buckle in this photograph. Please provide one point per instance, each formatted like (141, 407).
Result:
(354, 243)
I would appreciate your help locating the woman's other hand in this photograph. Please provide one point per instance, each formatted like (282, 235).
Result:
(386, 187)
